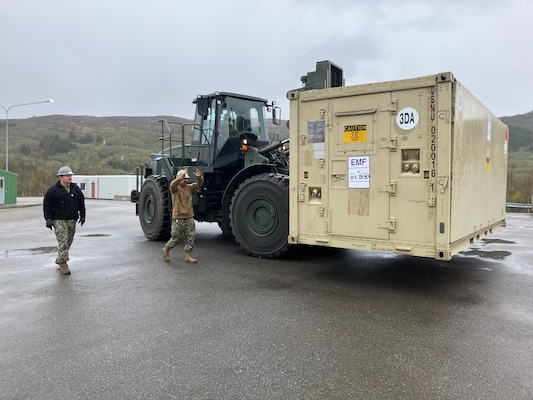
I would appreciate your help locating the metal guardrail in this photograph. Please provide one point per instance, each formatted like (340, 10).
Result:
(520, 206)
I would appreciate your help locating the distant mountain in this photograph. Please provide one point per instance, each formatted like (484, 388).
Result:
(143, 132)
(90, 145)
(38, 146)
(520, 131)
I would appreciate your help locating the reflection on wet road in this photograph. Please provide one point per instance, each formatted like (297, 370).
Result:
(318, 324)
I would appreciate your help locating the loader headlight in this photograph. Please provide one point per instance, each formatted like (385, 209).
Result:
(244, 145)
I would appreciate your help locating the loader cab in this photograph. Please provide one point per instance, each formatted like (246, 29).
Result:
(222, 121)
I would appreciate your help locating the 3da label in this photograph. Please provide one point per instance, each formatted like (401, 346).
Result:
(407, 118)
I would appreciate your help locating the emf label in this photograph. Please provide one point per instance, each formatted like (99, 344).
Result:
(359, 172)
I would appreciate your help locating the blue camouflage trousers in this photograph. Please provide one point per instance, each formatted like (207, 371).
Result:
(182, 228)
(65, 230)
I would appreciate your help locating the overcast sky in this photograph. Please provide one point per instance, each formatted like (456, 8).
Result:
(152, 57)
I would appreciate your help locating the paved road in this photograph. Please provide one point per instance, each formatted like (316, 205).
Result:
(318, 325)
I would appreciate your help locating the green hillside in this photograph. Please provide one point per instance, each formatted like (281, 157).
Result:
(521, 132)
(520, 169)
(117, 145)
(39, 146)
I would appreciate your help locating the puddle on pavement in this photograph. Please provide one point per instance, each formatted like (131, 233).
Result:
(30, 252)
(494, 255)
(497, 241)
(42, 250)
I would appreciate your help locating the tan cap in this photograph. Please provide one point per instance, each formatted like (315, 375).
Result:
(182, 174)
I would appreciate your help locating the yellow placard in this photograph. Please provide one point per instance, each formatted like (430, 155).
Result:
(355, 133)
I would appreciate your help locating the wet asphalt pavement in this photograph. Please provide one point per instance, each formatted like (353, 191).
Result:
(320, 324)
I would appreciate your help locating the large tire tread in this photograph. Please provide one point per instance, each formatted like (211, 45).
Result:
(259, 215)
(155, 208)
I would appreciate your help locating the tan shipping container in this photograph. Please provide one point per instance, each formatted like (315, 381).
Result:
(415, 167)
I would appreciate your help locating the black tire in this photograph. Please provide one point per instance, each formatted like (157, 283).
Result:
(225, 228)
(259, 215)
(155, 208)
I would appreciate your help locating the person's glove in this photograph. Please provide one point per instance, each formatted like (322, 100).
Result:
(82, 221)
(49, 224)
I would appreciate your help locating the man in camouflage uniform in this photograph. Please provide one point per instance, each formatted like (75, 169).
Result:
(183, 213)
(63, 204)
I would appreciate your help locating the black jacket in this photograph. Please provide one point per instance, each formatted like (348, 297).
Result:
(60, 204)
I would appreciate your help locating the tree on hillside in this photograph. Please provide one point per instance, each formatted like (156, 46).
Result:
(52, 144)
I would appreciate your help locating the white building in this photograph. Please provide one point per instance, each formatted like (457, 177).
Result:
(106, 186)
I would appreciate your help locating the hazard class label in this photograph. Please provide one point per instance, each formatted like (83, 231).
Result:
(355, 133)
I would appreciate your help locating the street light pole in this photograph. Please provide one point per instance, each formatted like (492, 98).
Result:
(6, 109)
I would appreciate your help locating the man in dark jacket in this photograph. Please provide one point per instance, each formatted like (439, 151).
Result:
(63, 205)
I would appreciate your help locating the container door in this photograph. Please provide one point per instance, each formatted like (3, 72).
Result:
(413, 167)
(359, 163)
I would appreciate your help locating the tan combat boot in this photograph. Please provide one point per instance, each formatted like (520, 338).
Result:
(189, 259)
(166, 256)
(63, 267)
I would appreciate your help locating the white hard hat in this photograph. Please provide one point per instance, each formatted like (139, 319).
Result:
(64, 171)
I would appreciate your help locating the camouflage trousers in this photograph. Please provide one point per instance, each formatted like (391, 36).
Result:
(65, 230)
(182, 228)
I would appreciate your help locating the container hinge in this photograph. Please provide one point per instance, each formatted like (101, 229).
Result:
(393, 105)
(389, 143)
(444, 115)
(442, 181)
(390, 225)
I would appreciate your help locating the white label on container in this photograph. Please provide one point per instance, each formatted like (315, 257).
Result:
(407, 118)
(319, 150)
(359, 172)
